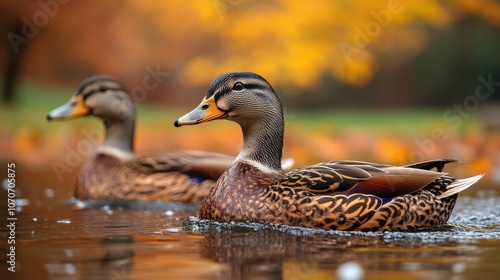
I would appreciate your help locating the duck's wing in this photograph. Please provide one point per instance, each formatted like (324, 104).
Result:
(325, 177)
(161, 186)
(201, 164)
(359, 177)
(430, 164)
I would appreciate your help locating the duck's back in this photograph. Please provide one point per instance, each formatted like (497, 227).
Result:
(246, 194)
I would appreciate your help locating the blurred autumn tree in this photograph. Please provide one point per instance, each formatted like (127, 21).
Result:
(314, 47)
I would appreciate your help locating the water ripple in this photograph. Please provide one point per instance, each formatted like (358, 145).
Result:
(474, 218)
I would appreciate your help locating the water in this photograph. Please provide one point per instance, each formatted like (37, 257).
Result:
(56, 240)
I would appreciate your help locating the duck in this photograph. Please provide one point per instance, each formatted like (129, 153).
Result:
(334, 195)
(114, 172)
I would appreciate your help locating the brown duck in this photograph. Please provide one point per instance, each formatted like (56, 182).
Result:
(340, 195)
(113, 172)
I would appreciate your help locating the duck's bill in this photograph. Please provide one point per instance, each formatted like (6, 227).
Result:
(74, 108)
(206, 111)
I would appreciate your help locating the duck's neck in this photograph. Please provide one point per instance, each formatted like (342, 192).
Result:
(120, 135)
(263, 143)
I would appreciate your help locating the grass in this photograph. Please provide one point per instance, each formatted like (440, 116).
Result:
(395, 121)
(34, 101)
(311, 136)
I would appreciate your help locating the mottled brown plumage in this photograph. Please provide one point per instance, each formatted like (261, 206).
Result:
(149, 178)
(341, 195)
(113, 172)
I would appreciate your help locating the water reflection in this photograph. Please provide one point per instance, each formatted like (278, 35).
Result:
(273, 254)
(57, 241)
(111, 258)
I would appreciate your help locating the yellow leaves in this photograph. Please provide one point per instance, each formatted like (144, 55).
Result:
(430, 12)
(480, 166)
(198, 70)
(357, 70)
(470, 6)
(25, 140)
(389, 149)
(489, 10)
(298, 41)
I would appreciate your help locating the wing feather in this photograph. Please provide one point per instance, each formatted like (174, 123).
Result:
(324, 177)
(349, 177)
(201, 164)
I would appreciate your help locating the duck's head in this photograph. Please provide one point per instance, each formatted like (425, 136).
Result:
(249, 100)
(243, 97)
(101, 96)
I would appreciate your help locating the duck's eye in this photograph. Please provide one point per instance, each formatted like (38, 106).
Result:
(103, 88)
(205, 106)
(238, 86)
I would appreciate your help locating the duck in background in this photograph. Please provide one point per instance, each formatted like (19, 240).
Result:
(114, 172)
(338, 195)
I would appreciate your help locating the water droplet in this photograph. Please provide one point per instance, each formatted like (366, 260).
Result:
(350, 271)
(69, 268)
(169, 213)
(20, 202)
(49, 193)
(35, 219)
(458, 268)
(80, 204)
(175, 230)
(412, 266)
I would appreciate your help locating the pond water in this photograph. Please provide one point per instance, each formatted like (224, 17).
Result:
(57, 240)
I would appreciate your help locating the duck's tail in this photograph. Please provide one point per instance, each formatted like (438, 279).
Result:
(460, 185)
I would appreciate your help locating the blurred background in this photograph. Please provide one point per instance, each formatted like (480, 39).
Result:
(387, 81)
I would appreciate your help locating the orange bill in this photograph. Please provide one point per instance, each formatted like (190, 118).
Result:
(74, 108)
(206, 111)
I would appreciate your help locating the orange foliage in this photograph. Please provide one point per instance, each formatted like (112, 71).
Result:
(296, 42)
